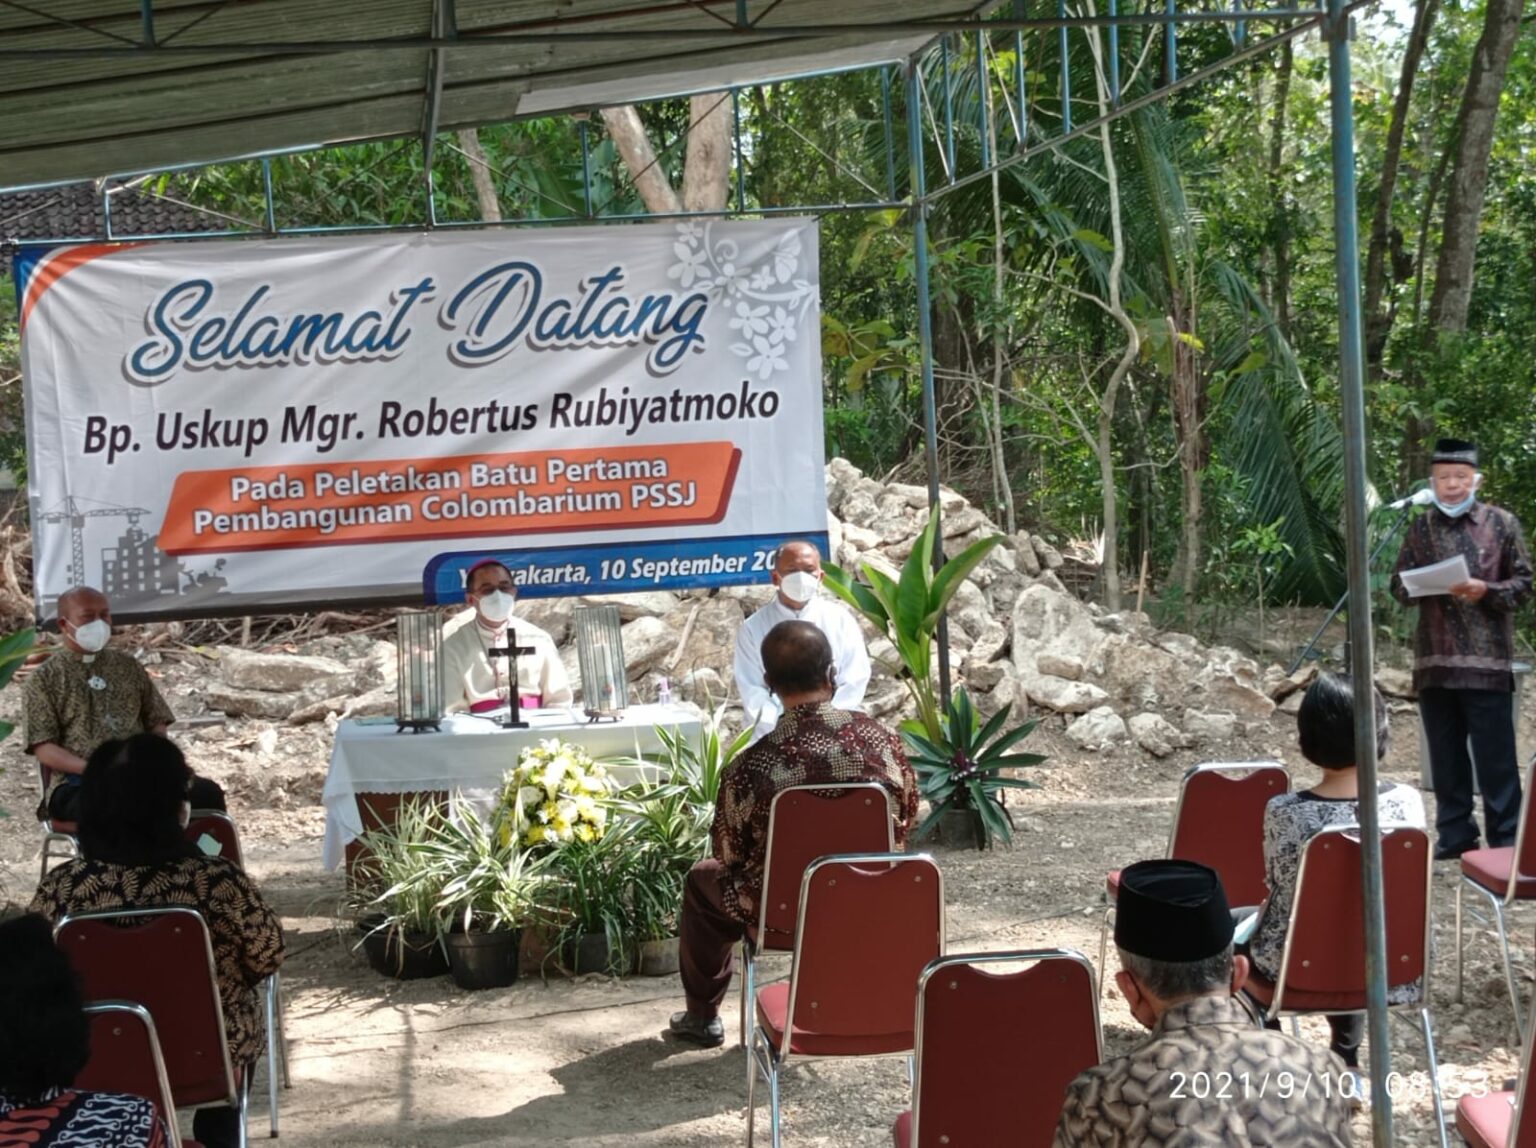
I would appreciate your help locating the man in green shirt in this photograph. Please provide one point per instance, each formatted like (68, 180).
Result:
(86, 694)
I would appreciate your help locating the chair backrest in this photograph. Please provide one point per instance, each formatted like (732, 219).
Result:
(1220, 822)
(163, 960)
(996, 1048)
(1325, 936)
(125, 1057)
(1524, 861)
(868, 925)
(810, 821)
(220, 826)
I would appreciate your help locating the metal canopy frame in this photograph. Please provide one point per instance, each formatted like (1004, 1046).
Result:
(574, 56)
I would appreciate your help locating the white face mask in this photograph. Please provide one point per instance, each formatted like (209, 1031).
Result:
(93, 636)
(495, 606)
(801, 586)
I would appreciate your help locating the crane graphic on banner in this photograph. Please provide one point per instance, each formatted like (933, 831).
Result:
(135, 570)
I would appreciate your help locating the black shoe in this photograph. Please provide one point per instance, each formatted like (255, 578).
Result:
(1454, 852)
(706, 1033)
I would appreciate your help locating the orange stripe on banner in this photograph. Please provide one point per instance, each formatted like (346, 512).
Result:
(57, 266)
(468, 496)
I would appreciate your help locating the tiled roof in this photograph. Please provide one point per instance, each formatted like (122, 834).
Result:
(75, 212)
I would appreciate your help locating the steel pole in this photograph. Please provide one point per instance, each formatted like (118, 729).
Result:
(1352, 398)
(925, 334)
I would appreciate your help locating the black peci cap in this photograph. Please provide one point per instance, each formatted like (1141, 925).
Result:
(1454, 450)
(1172, 911)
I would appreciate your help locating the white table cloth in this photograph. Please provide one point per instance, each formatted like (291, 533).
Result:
(469, 756)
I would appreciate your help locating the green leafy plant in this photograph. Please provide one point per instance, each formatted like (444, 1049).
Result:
(908, 611)
(15, 649)
(962, 767)
(404, 872)
(495, 885)
(591, 892)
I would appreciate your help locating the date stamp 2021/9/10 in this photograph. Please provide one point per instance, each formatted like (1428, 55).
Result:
(1285, 1085)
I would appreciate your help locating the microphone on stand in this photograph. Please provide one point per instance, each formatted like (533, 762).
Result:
(1417, 498)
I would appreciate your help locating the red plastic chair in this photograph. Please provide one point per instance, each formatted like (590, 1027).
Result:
(1322, 966)
(56, 833)
(219, 828)
(1503, 876)
(806, 822)
(163, 960)
(867, 926)
(1219, 821)
(1501, 1119)
(125, 1057)
(981, 1079)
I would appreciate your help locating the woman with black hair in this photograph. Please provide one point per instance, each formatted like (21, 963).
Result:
(133, 808)
(1326, 728)
(44, 1042)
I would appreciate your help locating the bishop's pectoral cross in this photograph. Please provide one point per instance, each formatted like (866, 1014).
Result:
(511, 651)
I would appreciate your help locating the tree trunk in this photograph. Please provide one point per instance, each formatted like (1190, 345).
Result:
(1280, 225)
(628, 134)
(1378, 320)
(1189, 429)
(707, 170)
(1469, 177)
(480, 172)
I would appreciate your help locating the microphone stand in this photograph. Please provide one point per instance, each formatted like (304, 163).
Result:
(1339, 605)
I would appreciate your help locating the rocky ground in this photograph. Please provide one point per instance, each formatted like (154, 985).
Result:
(1125, 708)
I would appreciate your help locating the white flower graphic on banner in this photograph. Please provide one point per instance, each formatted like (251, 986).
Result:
(771, 296)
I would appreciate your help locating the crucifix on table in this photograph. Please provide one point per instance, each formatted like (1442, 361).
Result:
(511, 651)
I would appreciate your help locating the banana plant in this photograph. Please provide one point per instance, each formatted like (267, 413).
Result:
(962, 768)
(907, 610)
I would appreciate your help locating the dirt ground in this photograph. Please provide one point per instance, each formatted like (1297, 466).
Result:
(584, 1061)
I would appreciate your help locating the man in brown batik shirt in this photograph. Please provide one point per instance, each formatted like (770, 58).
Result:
(1464, 648)
(1206, 1074)
(812, 742)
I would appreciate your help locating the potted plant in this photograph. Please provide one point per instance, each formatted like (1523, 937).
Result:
(960, 773)
(496, 889)
(399, 893)
(665, 830)
(908, 610)
(591, 893)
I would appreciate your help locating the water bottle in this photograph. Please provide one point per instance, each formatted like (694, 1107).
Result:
(664, 692)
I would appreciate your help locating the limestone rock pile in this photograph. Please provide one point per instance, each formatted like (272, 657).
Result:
(1017, 634)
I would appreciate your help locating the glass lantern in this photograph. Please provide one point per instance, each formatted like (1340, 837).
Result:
(419, 679)
(600, 651)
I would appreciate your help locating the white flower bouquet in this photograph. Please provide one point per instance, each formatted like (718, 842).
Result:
(556, 794)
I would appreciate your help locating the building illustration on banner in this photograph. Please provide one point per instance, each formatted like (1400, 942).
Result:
(135, 573)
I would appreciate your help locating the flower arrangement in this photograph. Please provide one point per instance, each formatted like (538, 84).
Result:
(555, 795)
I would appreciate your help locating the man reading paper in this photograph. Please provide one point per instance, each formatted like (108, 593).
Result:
(1463, 650)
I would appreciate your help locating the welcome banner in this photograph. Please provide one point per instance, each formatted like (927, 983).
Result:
(220, 427)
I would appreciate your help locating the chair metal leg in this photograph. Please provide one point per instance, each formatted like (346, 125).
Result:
(1109, 915)
(911, 1072)
(1460, 976)
(1296, 1026)
(282, 1030)
(1509, 969)
(1434, 1076)
(243, 1095)
(748, 993)
(274, 1040)
(753, 1064)
(773, 1101)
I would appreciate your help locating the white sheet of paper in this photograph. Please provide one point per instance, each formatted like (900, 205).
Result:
(1425, 581)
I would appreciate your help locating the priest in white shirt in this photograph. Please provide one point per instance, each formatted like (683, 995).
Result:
(479, 683)
(797, 574)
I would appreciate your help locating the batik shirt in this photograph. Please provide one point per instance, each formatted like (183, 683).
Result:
(811, 743)
(1467, 645)
(247, 938)
(60, 705)
(1290, 821)
(1208, 1076)
(64, 1118)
